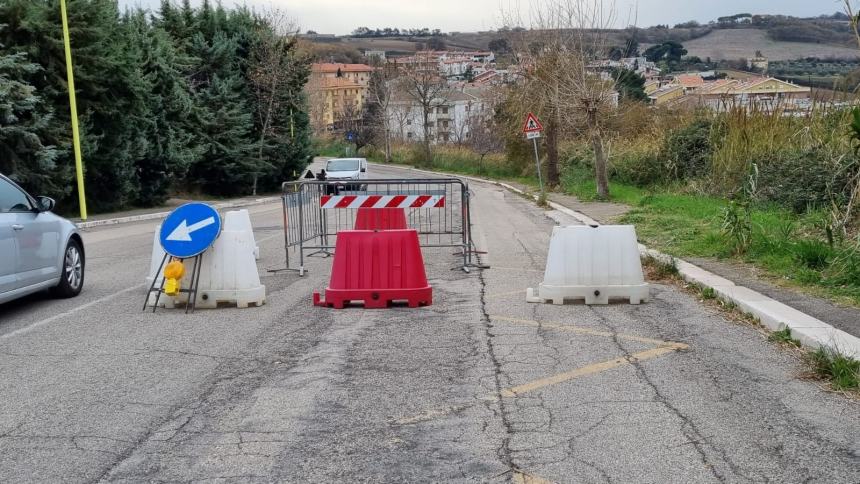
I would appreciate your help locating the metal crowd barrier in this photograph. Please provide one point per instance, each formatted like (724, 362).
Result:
(315, 211)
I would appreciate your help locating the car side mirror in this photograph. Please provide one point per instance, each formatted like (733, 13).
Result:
(364, 170)
(45, 204)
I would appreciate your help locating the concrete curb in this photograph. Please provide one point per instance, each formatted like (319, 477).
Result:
(160, 215)
(774, 315)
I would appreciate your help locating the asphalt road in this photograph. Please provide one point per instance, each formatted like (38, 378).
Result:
(480, 386)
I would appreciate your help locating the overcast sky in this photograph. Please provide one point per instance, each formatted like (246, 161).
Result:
(342, 16)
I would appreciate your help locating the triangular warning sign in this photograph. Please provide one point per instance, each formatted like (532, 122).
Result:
(532, 124)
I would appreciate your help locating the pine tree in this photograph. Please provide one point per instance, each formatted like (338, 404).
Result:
(171, 20)
(277, 73)
(24, 119)
(165, 100)
(225, 124)
(226, 135)
(171, 148)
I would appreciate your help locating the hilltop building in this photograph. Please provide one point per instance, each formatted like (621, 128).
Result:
(375, 54)
(452, 114)
(336, 91)
(765, 93)
(759, 63)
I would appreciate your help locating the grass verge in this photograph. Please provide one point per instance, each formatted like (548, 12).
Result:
(841, 371)
(791, 248)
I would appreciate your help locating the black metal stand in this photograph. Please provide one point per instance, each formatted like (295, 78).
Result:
(158, 288)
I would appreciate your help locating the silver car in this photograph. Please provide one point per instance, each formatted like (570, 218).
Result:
(38, 250)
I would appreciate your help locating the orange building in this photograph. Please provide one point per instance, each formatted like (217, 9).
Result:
(337, 91)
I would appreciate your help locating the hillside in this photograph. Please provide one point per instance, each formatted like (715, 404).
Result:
(742, 43)
(778, 38)
(465, 41)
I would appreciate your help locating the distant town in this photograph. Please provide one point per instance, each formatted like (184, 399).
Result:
(661, 73)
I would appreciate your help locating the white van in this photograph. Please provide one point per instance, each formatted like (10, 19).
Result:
(344, 169)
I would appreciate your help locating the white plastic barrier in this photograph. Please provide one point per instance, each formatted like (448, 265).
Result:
(240, 221)
(228, 274)
(155, 260)
(592, 263)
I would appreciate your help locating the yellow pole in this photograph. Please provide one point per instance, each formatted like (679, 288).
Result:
(76, 137)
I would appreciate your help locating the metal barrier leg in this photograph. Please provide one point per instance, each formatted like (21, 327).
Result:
(286, 239)
(152, 286)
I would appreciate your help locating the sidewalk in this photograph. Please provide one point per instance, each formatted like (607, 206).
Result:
(156, 213)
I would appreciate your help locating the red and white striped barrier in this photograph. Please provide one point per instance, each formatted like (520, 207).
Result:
(382, 201)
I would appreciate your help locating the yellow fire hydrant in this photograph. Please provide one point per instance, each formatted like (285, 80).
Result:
(172, 274)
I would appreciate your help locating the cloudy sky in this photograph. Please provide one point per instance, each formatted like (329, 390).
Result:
(342, 16)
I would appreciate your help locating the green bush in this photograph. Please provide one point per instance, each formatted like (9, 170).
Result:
(796, 180)
(688, 150)
(845, 268)
(639, 169)
(813, 254)
(843, 371)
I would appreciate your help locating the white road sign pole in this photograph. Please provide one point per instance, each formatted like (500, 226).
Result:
(537, 165)
(532, 129)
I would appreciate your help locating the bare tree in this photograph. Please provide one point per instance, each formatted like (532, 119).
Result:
(273, 62)
(421, 82)
(317, 105)
(483, 136)
(399, 114)
(561, 84)
(379, 93)
(461, 125)
(355, 121)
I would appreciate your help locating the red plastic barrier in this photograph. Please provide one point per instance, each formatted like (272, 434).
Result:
(380, 219)
(378, 268)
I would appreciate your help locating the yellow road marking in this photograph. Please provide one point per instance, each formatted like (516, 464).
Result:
(431, 414)
(662, 348)
(521, 477)
(591, 332)
(587, 370)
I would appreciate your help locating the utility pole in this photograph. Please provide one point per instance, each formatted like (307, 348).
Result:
(76, 137)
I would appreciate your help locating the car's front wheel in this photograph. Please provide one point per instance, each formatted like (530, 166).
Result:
(72, 278)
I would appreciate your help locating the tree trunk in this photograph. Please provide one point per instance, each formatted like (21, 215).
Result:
(600, 167)
(387, 148)
(426, 135)
(552, 178)
(387, 145)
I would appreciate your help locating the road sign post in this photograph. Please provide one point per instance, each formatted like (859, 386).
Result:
(186, 233)
(350, 137)
(532, 129)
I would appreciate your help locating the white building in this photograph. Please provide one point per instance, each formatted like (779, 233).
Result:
(375, 54)
(455, 67)
(449, 119)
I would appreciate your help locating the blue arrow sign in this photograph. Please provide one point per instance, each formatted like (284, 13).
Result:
(190, 230)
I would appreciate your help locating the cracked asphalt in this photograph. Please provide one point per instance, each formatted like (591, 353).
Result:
(478, 387)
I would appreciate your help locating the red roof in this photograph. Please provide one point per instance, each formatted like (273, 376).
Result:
(690, 80)
(333, 68)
